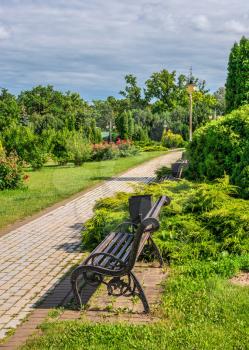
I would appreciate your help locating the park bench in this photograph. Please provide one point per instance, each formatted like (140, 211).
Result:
(112, 262)
(177, 169)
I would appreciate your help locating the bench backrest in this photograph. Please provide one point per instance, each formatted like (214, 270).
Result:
(149, 224)
(139, 206)
(178, 167)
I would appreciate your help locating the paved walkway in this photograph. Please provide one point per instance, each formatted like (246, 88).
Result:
(34, 257)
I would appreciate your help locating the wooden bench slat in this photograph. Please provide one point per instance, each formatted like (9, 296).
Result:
(104, 243)
(116, 249)
(125, 247)
(107, 247)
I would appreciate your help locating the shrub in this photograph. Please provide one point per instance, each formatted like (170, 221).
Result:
(127, 150)
(162, 172)
(78, 149)
(121, 148)
(222, 146)
(70, 146)
(203, 221)
(10, 172)
(105, 151)
(59, 147)
(154, 148)
(28, 146)
(171, 140)
(150, 146)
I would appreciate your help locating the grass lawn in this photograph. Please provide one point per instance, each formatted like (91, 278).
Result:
(198, 314)
(53, 183)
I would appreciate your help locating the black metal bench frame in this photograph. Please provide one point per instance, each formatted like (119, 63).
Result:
(117, 254)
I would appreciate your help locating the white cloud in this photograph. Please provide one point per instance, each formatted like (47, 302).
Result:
(4, 33)
(201, 22)
(236, 27)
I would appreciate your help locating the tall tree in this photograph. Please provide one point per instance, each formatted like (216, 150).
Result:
(133, 93)
(237, 84)
(9, 110)
(162, 87)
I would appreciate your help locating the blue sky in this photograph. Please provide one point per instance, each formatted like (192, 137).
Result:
(88, 46)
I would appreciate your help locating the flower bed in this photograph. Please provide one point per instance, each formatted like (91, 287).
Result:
(105, 150)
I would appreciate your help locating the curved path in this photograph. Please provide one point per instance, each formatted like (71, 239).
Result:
(35, 256)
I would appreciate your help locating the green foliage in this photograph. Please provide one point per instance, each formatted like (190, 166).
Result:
(9, 110)
(106, 151)
(150, 146)
(203, 108)
(162, 172)
(222, 147)
(177, 121)
(28, 146)
(108, 214)
(203, 221)
(163, 87)
(70, 146)
(237, 84)
(215, 324)
(11, 175)
(171, 140)
(43, 113)
(133, 93)
(78, 149)
(125, 125)
(1, 148)
(220, 106)
(127, 150)
(59, 150)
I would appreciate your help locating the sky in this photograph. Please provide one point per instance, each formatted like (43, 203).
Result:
(88, 46)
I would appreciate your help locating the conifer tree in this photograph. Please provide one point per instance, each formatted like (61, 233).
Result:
(237, 84)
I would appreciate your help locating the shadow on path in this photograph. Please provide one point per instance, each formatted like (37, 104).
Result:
(124, 179)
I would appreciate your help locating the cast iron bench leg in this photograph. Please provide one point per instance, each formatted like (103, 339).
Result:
(140, 293)
(95, 281)
(74, 277)
(158, 254)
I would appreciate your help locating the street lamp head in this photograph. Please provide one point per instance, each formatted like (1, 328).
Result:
(191, 88)
(190, 84)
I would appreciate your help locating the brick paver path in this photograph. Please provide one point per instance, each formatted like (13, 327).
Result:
(34, 257)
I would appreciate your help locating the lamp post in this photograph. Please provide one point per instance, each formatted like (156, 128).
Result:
(165, 126)
(190, 89)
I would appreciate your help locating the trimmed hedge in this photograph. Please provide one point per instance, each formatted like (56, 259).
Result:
(222, 146)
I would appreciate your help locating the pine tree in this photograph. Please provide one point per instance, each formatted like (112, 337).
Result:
(237, 84)
(242, 96)
(231, 79)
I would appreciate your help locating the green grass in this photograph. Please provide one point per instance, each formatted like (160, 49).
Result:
(53, 183)
(198, 314)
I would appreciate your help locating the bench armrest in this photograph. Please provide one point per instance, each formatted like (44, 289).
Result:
(125, 224)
